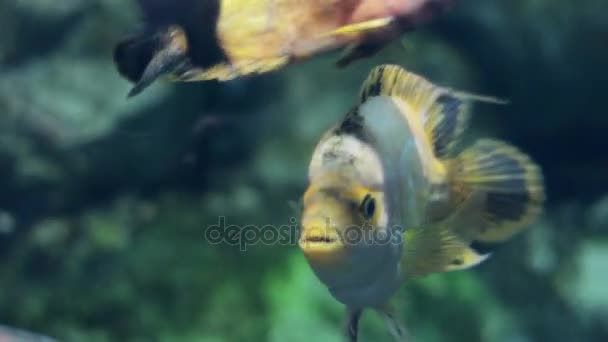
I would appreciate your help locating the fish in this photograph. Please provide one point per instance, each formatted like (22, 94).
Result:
(393, 195)
(200, 40)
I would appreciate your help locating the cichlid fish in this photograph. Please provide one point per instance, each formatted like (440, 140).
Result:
(195, 40)
(390, 198)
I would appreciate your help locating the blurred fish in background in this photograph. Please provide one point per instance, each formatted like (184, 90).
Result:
(224, 39)
(107, 205)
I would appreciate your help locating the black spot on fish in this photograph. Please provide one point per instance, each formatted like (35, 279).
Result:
(199, 20)
(483, 248)
(511, 199)
(457, 262)
(353, 125)
(451, 104)
(507, 206)
(444, 132)
(375, 88)
(329, 156)
(506, 165)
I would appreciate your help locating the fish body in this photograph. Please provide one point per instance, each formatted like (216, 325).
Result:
(361, 161)
(390, 198)
(196, 40)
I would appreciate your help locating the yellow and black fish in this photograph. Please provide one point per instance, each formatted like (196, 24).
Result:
(391, 199)
(195, 40)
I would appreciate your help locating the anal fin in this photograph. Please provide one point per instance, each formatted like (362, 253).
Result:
(436, 248)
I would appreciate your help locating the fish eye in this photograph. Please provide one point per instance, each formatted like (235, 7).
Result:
(368, 207)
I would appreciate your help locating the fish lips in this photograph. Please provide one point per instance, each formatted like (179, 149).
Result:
(321, 243)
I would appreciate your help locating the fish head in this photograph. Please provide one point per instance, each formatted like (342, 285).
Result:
(343, 231)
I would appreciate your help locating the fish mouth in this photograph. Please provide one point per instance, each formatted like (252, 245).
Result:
(320, 244)
(319, 239)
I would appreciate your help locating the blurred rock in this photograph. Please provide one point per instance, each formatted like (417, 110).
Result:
(586, 288)
(51, 233)
(598, 217)
(7, 223)
(67, 102)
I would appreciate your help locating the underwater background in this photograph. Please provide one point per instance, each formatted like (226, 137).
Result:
(105, 202)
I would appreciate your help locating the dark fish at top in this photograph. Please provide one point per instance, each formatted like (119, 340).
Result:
(197, 40)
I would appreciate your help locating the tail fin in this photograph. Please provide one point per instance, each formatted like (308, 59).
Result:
(500, 191)
(147, 56)
(445, 112)
(496, 190)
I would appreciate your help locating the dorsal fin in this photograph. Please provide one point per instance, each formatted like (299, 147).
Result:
(445, 112)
